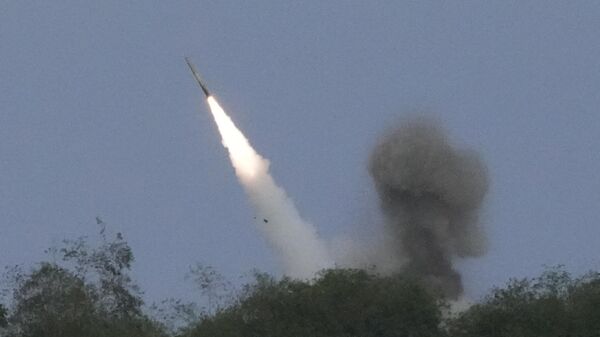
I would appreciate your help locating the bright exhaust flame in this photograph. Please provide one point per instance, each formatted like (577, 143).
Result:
(296, 241)
(243, 157)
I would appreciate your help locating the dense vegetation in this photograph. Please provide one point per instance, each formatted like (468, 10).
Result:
(89, 293)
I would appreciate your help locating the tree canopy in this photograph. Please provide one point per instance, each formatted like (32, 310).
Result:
(336, 303)
(553, 304)
(87, 290)
(89, 293)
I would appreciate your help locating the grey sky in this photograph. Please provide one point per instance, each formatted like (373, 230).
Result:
(99, 115)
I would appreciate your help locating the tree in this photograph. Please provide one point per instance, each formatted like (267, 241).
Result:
(3, 313)
(90, 294)
(217, 290)
(584, 305)
(52, 302)
(108, 265)
(550, 305)
(337, 303)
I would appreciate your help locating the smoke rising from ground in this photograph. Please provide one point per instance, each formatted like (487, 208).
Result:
(431, 194)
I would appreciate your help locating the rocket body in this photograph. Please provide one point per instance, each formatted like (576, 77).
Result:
(197, 76)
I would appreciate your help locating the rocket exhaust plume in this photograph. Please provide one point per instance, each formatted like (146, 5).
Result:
(294, 240)
(431, 194)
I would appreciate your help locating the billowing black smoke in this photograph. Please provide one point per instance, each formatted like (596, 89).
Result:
(431, 194)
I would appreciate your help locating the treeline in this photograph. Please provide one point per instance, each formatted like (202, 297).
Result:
(88, 292)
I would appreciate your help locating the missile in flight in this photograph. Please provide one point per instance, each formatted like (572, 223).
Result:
(197, 76)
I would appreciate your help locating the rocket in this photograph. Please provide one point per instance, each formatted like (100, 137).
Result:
(197, 76)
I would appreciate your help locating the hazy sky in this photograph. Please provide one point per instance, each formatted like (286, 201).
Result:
(99, 115)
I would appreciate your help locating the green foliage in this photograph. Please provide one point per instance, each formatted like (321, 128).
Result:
(217, 290)
(550, 305)
(52, 302)
(584, 305)
(109, 265)
(90, 295)
(174, 314)
(337, 303)
(3, 313)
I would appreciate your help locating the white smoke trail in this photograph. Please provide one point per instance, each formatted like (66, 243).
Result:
(294, 240)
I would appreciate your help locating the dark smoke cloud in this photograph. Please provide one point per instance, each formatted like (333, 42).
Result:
(431, 194)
